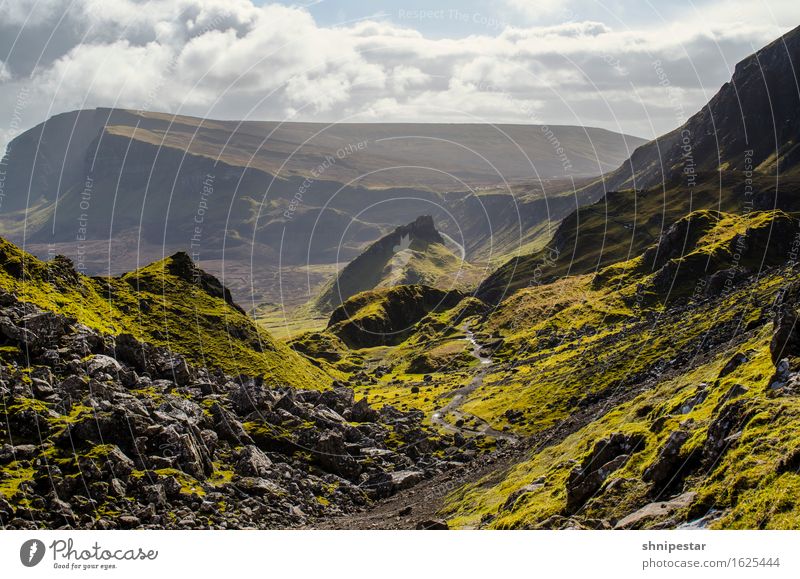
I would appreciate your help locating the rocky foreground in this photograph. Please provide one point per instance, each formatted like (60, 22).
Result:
(104, 432)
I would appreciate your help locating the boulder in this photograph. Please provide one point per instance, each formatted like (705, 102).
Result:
(41, 389)
(253, 462)
(730, 418)
(228, 426)
(339, 398)
(328, 418)
(74, 386)
(187, 449)
(654, 512)
(737, 360)
(290, 404)
(251, 396)
(331, 454)
(607, 456)
(99, 363)
(18, 334)
(697, 398)
(384, 484)
(511, 501)
(669, 460)
(785, 341)
(47, 324)
(363, 412)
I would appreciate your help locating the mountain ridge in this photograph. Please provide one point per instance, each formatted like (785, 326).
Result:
(668, 178)
(414, 253)
(198, 317)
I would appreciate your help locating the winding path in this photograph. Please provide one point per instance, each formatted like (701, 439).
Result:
(424, 500)
(459, 396)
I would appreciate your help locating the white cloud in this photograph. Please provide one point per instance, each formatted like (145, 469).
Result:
(535, 10)
(404, 77)
(231, 58)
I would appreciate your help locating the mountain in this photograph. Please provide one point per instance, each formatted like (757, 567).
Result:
(737, 154)
(642, 370)
(253, 181)
(58, 154)
(415, 253)
(755, 111)
(256, 202)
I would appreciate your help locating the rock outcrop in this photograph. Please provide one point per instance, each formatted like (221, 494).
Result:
(108, 432)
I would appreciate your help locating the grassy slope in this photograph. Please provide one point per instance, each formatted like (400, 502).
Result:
(160, 308)
(611, 346)
(623, 223)
(429, 360)
(745, 481)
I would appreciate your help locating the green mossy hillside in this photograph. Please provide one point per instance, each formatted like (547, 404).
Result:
(387, 316)
(680, 360)
(169, 303)
(622, 224)
(737, 481)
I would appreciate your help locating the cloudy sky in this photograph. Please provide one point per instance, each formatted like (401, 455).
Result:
(519, 61)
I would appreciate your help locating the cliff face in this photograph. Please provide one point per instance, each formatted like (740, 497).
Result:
(49, 158)
(751, 123)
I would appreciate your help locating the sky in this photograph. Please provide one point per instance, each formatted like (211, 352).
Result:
(636, 67)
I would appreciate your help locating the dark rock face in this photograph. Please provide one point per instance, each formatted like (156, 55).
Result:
(340, 398)
(679, 266)
(753, 112)
(731, 365)
(681, 235)
(785, 341)
(665, 470)
(730, 419)
(332, 455)
(108, 424)
(607, 456)
(363, 412)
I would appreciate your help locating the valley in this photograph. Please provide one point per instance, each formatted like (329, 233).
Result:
(617, 348)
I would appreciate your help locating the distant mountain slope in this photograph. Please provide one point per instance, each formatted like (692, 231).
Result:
(412, 254)
(52, 156)
(115, 189)
(737, 154)
(255, 182)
